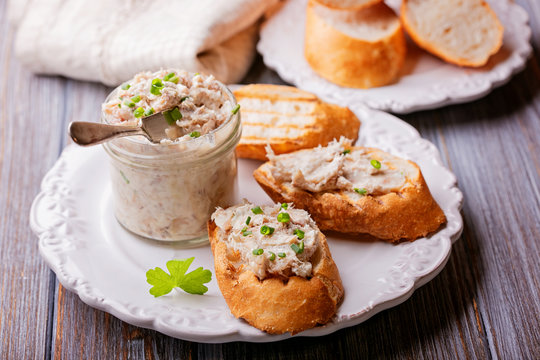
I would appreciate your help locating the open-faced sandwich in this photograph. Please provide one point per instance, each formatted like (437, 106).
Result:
(354, 190)
(288, 119)
(274, 267)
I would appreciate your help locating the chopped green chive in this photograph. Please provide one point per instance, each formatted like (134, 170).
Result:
(257, 210)
(346, 151)
(169, 76)
(284, 206)
(195, 134)
(174, 79)
(136, 99)
(235, 109)
(283, 217)
(138, 112)
(298, 248)
(248, 220)
(149, 112)
(176, 114)
(168, 118)
(299, 234)
(196, 74)
(246, 232)
(126, 87)
(119, 105)
(361, 191)
(376, 164)
(183, 99)
(124, 177)
(257, 251)
(267, 230)
(272, 256)
(156, 87)
(281, 255)
(129, 104)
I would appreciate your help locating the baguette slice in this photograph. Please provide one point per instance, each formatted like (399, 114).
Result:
(392, 204)
(464, 33)
(348, 4)
(360, 49)
(288, 119)
(276, 303)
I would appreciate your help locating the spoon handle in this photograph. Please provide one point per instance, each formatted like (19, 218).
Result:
(90, 133)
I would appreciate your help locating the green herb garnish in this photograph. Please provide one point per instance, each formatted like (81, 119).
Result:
(298, 248)
(257, 251)
(138, 112)
(283, 217)
(169, 76)
(194, 134)
(136, 99)
(192, 283)
(346, 151)
(124, 177)
(272, 256)
(126, 87)
(168, 117)
(376, 164)
(196, 74)
(157, 86)
(281, 255)
(130, 104)
(257, 210)
(267, 230)
(246, 232)
(361, 191)
(183, 99)
(235, 109)
(149, 112)
(248, 220)
(284, 206)
(299, 234)
(176, 114)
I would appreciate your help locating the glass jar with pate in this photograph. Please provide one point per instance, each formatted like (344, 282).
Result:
(168, 191)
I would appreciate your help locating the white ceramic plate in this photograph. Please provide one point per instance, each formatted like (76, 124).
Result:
(426, 81)
(93, 256)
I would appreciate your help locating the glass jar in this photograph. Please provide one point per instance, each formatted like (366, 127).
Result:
(168, 191)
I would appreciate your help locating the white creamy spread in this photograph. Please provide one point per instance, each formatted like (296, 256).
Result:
(198, 98)
(340, 167)
(271, 254)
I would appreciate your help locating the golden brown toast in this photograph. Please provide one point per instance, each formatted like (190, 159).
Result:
(275, 304)
(370, 205)
(288, 119)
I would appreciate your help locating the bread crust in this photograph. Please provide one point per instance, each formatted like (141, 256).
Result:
(406, 215)
(273, 305)
(363, 5)
(330, 122)
(352, 62)
(435, 50)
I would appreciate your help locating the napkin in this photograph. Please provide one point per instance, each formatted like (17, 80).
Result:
(111, 40)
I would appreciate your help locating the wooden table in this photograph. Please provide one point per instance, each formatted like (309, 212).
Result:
(484, 304)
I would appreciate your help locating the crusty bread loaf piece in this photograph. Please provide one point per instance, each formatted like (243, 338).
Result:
(359, 48)
(345, 192)
(288, 119)
(348, 4)
(461, 32)
(264, 292)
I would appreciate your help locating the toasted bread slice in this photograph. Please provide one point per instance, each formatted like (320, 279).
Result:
(465, 33)
(354, 48)
(288, 119)
(345, 192)
(348, 4)
(263, 279)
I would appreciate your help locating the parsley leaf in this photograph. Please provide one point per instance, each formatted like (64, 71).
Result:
(192, 282)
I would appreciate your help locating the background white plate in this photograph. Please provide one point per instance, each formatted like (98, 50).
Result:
(426, 81)
(105, 265)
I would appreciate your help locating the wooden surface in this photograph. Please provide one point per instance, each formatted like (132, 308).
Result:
(484, 304)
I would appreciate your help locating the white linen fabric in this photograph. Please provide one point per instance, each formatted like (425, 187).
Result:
(111, 40)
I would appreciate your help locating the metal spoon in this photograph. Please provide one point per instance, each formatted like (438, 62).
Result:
(89, 133)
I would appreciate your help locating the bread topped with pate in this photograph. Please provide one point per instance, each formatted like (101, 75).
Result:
(354, 190)
(288, 119)
(274, 267)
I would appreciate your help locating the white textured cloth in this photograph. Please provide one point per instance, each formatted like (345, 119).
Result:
(111, 40)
